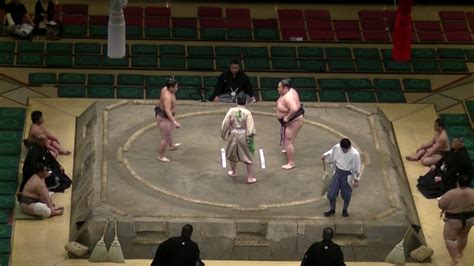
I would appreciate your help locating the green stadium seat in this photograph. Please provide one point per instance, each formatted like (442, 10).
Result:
(369, 65)
(189, 93)
(8, 174)
(101, 92)
(59, 48)
(74, 31)
(10, 161)
(200, 64)
(10, 136)
(387, 84)
(200, 51)
(269, 83)
(87, 61)
(130, 79)
(59, 61)
(358, 84)
(30, 47)
(281, 51)
(313, 65)
(251, 52)
(144, 49)
(425, 65)
(8, 188)
(87, 48)
(451, 53)
(366, 53)
(126, 92)
(173, 62)
(156, 80)
(239, 34)
(10, 148)
(213, 34)
(257, 64)
(209, 81)
(98, 31)
(341, 65)
(5, 246)
(224, 62)
(332, 96)
(332, 84)
(7, 47)
(391, 65)
(145, 61)
(311, 52)
(5, 231)
(423, 53)
(157, 33)
(153, 92)
(455, 119)
(185, 33)
(115, 63)
(174, 50)
(285, 64)
(469, 54)
(69, 91)
(269, 94)
(419, 85)
(7, 202)
(266, 35)
(12, 119)
(189, 81)
(308, 95)
(30, 59)
(72, 78)
(459, 130)
(7, 59)
(390, 96)
(230, 51)
(338, 52)
(134, 32)
(100, 79)
(453, 66)
(42, 78)
(361, 96)
(303, 83)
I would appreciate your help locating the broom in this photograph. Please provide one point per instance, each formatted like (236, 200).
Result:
(397, 255)
(99, 254)
(326, 180)
(115, 251)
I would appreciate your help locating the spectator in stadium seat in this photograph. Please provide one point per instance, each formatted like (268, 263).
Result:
(178, 251)
(324, 253)
(230, 83)
(18, 20)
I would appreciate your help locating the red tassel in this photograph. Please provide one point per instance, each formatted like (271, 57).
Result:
(403, 32)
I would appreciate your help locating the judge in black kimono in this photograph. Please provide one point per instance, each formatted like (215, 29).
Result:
(444, 174)
(58, 181)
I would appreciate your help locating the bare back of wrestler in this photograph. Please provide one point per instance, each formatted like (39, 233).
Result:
(164, 115)
(290, 115)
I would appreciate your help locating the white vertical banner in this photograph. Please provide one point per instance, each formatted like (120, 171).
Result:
(223, 158)
(262, 158)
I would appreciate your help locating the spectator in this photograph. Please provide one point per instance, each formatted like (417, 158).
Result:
(37, 129)
(178, 251)
(44, 18)
(57, 181)
(34, 199)
(324, 253)
(230, 83)
(16, 15)
(444, 174)
(432, 151)
(458, 206)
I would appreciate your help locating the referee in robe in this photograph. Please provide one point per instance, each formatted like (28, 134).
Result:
(346, 175)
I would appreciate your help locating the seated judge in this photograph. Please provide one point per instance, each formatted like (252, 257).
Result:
(230, 83)
(444, 174)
